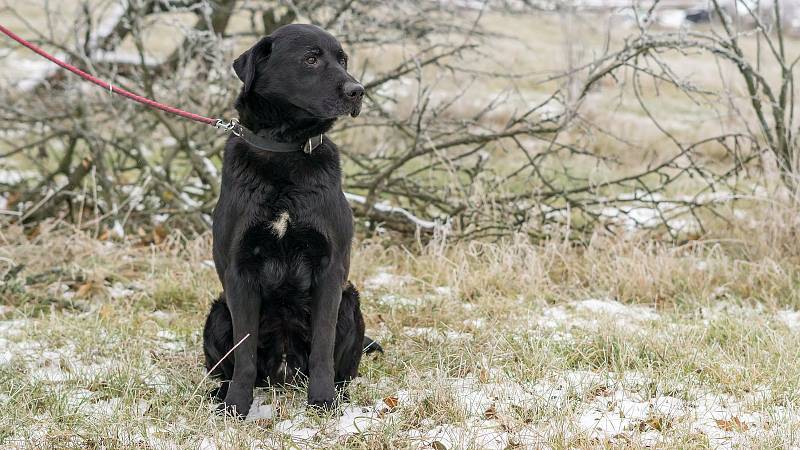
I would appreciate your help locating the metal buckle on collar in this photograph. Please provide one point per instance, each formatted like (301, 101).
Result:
(310, 146)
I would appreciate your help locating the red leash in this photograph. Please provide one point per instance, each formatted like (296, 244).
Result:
(232, 126)
(117, 90)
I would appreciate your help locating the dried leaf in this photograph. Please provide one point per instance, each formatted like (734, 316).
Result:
(732, 425)
(84, 289)
(657, 423)
(12, 199)
(33, 232)
(159, 234)
(438, 445)
(491, 412)
(599, 391)
(105, 311)
(391, 402)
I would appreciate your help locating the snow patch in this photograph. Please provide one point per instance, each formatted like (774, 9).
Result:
(260, 411)
(790, 318)
(385, 279)
(483, 434)
(591, 313)
(435, 336)
(119, 290)
(614, 308)
(297, 428)
(396, 300)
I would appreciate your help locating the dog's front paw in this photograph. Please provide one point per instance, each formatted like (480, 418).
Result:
(322, 404)
(322, 396)
(224, 409)
(237, 403)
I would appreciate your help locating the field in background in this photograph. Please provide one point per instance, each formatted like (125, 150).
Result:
(526, 51)
(519, 62)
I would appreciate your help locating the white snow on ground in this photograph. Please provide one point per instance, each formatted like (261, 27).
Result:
(9, 328)
(384, 279)
(615, 411)
(434, 335)
(14, 176)
(50, 365)
(397, 300)
(620, 415)
(111, 406)
(618, 408)
(483, 434)
(790, 318)
(385, 207)
(169, 341)
(592, 313)
(296, 428)
(260, 410)
(118, 290)
(614, 308)
(646, 210)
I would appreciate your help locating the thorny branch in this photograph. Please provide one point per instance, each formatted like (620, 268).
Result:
(432, 152)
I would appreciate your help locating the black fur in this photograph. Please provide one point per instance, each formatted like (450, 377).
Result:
(218, 338)
(282, 229)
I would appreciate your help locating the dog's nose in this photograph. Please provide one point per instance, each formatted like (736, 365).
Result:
(353, 90)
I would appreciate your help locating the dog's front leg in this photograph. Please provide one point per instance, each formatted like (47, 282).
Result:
(244, 303)
(326, 296)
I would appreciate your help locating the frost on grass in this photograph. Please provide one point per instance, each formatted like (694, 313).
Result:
(618, 414)
(385, 279)
(434, 335)
(790, 318)
(45, 363)
(591, 314)
(392, 300)
(431, 408)
(168, 340)
(260, 409)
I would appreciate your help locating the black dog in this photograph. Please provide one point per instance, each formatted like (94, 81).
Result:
(283, 228)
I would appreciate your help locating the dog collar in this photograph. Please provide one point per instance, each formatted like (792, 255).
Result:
(271, 145)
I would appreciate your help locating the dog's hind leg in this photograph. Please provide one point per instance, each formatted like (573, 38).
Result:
(349, 339)
(217, 341)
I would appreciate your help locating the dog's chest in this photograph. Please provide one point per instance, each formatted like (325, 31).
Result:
(284, 237)
(287, 240)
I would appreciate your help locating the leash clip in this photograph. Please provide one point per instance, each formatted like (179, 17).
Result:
(233, 126)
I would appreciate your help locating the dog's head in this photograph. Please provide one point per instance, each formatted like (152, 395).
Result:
(302, 65)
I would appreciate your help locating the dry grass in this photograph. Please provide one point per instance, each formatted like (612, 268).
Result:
(620, 343)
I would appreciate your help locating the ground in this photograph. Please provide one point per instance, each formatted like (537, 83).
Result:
(507, 345)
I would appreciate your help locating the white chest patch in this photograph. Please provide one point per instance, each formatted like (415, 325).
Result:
(280, 224)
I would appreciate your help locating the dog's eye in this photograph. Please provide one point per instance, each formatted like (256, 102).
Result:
(311, 60)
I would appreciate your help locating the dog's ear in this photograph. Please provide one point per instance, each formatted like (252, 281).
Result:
(245, 64)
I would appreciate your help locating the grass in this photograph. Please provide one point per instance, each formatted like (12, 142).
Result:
(620, 343)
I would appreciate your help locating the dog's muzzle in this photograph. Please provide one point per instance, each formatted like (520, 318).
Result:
(356, 109)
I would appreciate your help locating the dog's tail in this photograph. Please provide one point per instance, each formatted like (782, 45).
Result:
(218, 338)
(371, 346)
